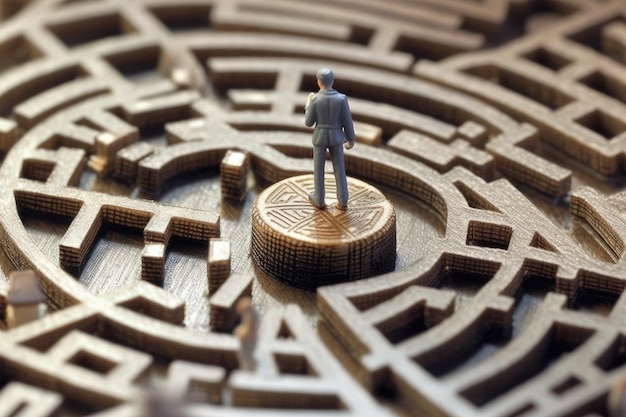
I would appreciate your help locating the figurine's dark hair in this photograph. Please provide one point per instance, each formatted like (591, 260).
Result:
(325, 76)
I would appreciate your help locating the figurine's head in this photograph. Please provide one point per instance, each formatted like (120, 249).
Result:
(325, 78)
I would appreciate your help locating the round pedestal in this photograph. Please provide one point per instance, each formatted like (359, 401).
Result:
(308, 247)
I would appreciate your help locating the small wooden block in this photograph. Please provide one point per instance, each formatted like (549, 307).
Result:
(234, 174)
(153, 261)
(8, 133)
(218, 267)
(369, 134)
(223, 314)
(24, 298)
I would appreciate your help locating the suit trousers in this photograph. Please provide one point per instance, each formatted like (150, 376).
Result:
(319, 159)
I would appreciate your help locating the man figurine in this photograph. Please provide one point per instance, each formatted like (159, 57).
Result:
(330, 112)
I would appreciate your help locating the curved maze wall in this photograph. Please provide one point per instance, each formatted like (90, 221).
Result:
(496, 128)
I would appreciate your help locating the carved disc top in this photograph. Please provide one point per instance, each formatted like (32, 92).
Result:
(286, 208)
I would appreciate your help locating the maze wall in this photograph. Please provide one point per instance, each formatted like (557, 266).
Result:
(496, 128)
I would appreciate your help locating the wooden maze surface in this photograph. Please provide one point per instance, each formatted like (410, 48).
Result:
(497, 129)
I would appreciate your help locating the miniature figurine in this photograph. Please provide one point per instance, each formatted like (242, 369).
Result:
(25, 300)
(329, 111)
(247, 333)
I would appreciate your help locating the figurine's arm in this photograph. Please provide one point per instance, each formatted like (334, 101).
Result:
(309, 111)
(348, 126)
(308, 100)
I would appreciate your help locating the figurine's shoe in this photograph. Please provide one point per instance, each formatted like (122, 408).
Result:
(341, 206)
(313, 201)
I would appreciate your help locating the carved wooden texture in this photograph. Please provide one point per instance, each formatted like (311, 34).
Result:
(308, 247)
(496, 128)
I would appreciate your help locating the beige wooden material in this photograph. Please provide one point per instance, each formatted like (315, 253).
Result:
(234, 175)
(224, 301)
(307, 247)
(218, 263)
(495, 128)
(24, 300)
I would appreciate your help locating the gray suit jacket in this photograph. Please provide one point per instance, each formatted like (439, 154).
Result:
(330, 112)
